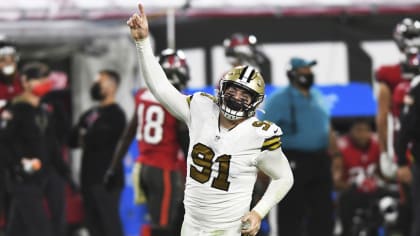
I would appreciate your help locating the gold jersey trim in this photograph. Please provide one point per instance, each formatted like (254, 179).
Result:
(271, 144)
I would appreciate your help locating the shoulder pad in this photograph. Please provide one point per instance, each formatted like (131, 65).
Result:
(267, 128)
(199, 97)
(271, 134)
(211, 97)
(390, 74)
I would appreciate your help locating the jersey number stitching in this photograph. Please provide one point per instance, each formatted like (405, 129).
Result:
(203, 157)
(264, 124)
(152, 128)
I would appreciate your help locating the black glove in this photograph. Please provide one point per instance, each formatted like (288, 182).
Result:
(110, 180)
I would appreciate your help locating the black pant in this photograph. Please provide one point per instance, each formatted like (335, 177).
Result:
(405, 209)
(415, 229)
(56, 199)
(3, 193)
(164, 194)
(308, 207)
(102, 211)
(352, 200)
(27, 213)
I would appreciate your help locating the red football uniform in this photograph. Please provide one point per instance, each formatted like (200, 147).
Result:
(392, 76)
(156, 133)
(360, 165)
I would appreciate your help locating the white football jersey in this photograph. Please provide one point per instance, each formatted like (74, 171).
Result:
(222, 164)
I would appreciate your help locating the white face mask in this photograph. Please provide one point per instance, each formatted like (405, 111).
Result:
(9, 70)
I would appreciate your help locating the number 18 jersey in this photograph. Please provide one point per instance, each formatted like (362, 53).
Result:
(221, 165)
(156, 132)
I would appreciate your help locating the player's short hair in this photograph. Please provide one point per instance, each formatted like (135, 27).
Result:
(363, 120)
(112, 74)
(35, 70)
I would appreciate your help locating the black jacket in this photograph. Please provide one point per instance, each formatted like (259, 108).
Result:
(97, 132)
(31, 133)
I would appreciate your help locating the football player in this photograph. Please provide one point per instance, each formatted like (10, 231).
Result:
(160, 136)
(228, 145)
(241, 49)
(10, 84)
(393, 84)
(359, 182)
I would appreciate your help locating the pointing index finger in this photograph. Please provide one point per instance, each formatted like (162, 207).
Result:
(141, 9)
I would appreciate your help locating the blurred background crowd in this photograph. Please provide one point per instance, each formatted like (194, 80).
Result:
(70, 81)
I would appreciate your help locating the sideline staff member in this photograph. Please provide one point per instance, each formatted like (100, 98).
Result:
(98, 132)
(30, 136)
(300, 111)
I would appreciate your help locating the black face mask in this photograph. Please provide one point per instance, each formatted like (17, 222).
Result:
(234, 104)
(95, 92)
(305, 80)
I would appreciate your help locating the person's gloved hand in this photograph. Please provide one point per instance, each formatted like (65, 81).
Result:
(110, 179)
(387, 165)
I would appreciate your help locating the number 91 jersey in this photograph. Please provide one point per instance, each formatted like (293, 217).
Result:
(222, 164)
(156, 132)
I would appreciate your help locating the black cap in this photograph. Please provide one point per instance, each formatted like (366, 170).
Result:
(35, 70)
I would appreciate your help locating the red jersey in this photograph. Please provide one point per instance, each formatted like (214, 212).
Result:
(156, 133)
(9, 91)
(360, 165)
(391, 75)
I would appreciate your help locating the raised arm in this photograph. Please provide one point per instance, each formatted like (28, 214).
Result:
(174, 101)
